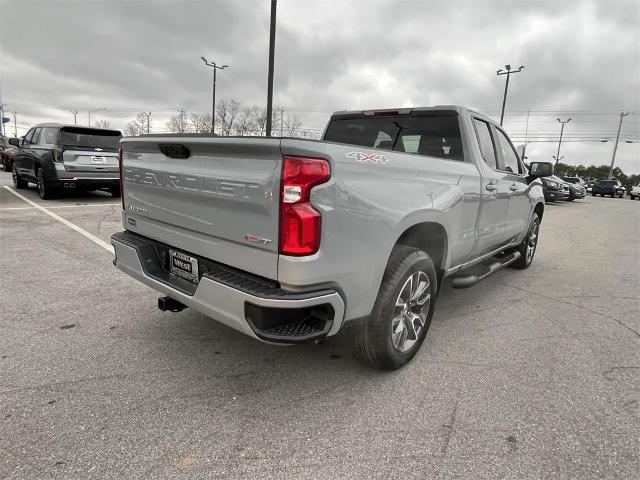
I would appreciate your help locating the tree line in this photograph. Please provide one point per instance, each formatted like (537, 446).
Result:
(231, 119)
(592, 174)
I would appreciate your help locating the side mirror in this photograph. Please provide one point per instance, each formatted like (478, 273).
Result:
(14, 141)
(540, 169)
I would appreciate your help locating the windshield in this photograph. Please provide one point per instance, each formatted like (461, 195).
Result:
(90, 138)
(431, 135)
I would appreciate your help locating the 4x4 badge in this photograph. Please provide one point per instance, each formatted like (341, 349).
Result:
(368, 157)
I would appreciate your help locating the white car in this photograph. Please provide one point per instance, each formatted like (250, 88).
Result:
(635, 192)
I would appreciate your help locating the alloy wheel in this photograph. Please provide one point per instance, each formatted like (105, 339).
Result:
(532, 241)
(410, 311)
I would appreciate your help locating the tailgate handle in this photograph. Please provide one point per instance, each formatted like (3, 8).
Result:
(174, 150)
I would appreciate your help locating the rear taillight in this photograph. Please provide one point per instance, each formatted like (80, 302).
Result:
(300, 223)
(120, 169)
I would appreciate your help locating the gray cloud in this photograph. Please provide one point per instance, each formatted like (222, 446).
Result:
(580, 56)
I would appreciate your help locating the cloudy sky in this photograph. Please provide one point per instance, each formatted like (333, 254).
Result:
(581, 61)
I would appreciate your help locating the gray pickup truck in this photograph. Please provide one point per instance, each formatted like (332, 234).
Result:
(287, 240)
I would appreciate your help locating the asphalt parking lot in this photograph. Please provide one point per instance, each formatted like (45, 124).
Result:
(531, 374)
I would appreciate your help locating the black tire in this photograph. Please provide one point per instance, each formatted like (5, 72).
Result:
(593, 194)
(18, 183)
(44, 190)
(6, 165)
(115, 192)
(525, 260)
(373, 336)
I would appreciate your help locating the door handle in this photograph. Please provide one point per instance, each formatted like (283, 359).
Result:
(513, 188)
(491, 187)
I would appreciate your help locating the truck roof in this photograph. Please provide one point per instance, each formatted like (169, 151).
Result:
(71, 125)
(407, 110)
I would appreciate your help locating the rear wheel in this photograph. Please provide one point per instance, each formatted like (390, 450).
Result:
(44, 190)
(402, 313)
(528, 246)
(6, 165)
(18, 182)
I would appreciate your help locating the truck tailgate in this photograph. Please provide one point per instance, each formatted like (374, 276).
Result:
(220, 202)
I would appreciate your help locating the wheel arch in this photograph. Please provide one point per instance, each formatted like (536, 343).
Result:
(539, 209)
(430, 237)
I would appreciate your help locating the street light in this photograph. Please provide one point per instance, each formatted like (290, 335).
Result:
(213, 103)
(508, 73)
(557, 156)
(75, 116)
(94, 111)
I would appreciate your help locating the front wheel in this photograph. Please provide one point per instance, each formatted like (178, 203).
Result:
(528, 246)
(18, 182)
(402, 313)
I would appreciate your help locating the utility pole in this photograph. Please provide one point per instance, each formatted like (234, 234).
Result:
(15, 124)
(615, 147)
(560, 141)
(183, 123)
(148, 115)
(272, 48)
(508, 73)
(75, 116)
(213, 102)
(526, 133)
(281, 122)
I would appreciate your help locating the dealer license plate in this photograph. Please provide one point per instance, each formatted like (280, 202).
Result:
(183, 266)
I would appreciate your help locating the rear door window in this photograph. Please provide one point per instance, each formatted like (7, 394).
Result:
(485, 141)
(433, 135)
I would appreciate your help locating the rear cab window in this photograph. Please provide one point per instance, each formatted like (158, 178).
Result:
(436, 134)
(82, 138)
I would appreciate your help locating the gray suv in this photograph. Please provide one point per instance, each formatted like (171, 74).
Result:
(60, 158)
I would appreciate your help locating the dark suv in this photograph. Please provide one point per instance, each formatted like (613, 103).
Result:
(67, 157)
(608, 187)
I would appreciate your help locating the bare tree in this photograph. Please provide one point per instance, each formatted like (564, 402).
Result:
(226, 112)
(137, 126)
(201, 122)
(260, 120)
(178, 123)
(245, 125)
(102, 123)
(292, 125)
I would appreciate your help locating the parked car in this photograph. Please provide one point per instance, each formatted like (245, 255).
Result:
(589, 187)
(67, 157)
(608, 187)
(6, 153)
(554, 189)
(576, 187)
(268, 235)
(634, 192)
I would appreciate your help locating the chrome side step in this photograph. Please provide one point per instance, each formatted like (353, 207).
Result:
(483, 270)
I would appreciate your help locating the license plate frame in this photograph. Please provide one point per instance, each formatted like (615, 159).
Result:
(98, 160)
(183, 266)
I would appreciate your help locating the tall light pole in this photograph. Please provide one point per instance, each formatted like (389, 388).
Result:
(15, 124)
(95, 111)
(75, 116)
(557, 157)
(507, 71)
(272, 49)
(213, 103)
(615, 147)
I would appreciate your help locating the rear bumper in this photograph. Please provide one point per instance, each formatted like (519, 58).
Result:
(84, 180)
(244, 302)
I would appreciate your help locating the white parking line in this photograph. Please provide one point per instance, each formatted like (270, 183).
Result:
(57, 217)
(88, 205)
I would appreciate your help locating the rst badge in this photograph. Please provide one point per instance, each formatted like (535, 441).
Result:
(368, 157)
